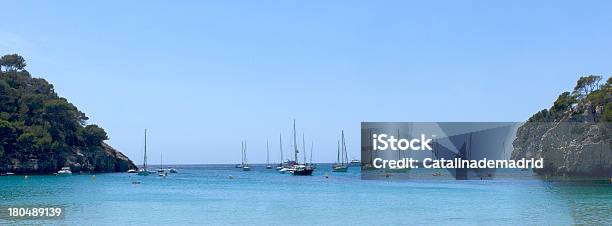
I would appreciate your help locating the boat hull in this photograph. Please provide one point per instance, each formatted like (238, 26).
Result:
(339, 169)
(143, 173)
(303, 172)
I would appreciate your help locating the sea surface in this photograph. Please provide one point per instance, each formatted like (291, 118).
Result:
(205, 194)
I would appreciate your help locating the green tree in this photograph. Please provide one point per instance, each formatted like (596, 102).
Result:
(563, 103)
(586, 85)
(93, 135)
(12, 62)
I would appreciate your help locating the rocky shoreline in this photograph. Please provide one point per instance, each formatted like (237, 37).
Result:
(105, 159)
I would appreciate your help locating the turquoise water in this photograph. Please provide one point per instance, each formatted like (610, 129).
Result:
(205, 195)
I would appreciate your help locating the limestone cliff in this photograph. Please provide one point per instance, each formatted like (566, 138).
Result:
(99, 159)
(573, 137)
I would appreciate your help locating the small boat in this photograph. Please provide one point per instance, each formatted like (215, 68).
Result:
(355, 162)
(161, 166)
(245, 165)
(132, 171)
(238, 166)
(268, 166)
(285, 170)
(342, 159)
(64, 171)
(173, 170)
(162, 174)
(339, 168)
(144, 171)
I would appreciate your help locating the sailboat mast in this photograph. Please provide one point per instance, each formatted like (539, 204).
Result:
(145, 150)
(267, 153)
(295, 143)
(311, 147)
(399, 151)
(344, 155)
(280, 140)
(304, 147)
(338, 157)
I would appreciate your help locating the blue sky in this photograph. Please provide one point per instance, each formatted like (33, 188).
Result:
(202, 75)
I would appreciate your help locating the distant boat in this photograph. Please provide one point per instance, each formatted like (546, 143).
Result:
(355, 162)
(400, 154)
(268, 166)
(298, 169)
(245, 165)
(172, 170)
(144, 171)
(132, 171)
(341, 164)
(161, 172)
(64, 171)
(280, 164)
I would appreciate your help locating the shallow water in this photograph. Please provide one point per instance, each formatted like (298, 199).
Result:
(204, 194)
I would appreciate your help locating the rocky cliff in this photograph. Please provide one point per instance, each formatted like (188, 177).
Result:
(101, 159)
(573, 137)
(41, 132)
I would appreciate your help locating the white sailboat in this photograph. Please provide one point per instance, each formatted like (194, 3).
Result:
(280, 164)
(144, 171)
(268, 166)
(161, 172)
(245, 165)
(341, 164)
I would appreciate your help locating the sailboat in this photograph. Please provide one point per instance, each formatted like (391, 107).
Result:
(280, 165)
(342, 159)
(245, 165)
(161, 163)
(144, 171)
(400, 155)
(312, 147)
(268, 166)
(299, 169)
(161, 172)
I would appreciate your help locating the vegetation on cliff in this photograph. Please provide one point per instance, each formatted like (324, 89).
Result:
(574, 135)
(589, 91)
(41, 132)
